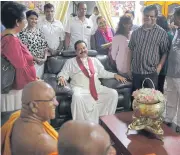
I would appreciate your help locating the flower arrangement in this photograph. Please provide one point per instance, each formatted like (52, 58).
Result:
(148, 96)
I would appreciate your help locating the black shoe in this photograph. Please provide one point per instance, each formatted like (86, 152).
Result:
(168, 124)
(178, 129)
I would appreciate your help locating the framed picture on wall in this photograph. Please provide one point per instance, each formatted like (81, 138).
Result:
(119, 7)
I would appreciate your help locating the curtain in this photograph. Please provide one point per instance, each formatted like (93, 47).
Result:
(105, 10)
(61, 9)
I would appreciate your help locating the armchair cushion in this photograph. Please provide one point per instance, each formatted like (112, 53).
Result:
(55, 64)
(104, 59)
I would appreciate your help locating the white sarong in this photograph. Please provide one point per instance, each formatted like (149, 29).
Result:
(84, 107)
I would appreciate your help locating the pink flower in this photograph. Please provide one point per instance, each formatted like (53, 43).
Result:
(135, 93)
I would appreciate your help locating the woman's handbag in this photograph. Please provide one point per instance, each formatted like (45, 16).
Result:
(7, 74)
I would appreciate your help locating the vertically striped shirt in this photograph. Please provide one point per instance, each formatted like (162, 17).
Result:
(146, 47)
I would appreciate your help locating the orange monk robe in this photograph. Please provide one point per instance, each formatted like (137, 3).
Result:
(54, 153)
(7, 129)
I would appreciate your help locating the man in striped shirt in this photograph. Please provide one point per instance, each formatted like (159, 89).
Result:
(149, 45)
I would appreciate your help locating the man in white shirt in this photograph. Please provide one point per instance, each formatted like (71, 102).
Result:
(94, 17)
(90, 99)
(52, 30)
(78, 28)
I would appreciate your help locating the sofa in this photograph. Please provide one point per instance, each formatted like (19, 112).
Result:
(54, 65)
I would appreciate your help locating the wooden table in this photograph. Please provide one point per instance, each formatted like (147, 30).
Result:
(139, 142)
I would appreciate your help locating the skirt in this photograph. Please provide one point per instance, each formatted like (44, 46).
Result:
(11, 101)
(39, 70)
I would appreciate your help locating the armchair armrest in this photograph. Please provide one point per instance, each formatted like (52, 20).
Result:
(124, 90)
(113, 83)
(60, 90)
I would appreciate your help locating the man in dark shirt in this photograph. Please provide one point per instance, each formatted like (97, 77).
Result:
(149, 45)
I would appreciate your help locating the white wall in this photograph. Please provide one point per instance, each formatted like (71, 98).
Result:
(90, 6)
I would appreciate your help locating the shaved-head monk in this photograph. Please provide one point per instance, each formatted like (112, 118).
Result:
(84, 138)
(30, 134)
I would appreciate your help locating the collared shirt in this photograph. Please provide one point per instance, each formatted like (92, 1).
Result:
(53, 32)
(174, 57)
(147, 47)
(79, 31)
(134, 27)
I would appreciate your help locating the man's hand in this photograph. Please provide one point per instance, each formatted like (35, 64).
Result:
(159, 67)
(55, 52)
(58, 51)
(107, 45)
(37, 78)
(62, 81)
(172, 26)
(130, 75)
(40, 61)
(120, 78)
(52, 52)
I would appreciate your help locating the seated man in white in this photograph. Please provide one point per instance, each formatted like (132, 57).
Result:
(90, 99)
(78, 28)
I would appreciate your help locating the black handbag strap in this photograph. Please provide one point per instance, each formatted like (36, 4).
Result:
(2, 38)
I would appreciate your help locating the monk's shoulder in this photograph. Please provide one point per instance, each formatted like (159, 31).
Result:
(22, 127)
(45, 144)
(22, 139)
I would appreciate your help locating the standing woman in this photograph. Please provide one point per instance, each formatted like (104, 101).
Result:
(120, 52)
(103, 36)
(32, 37)
(13, 18)
(162, 22)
